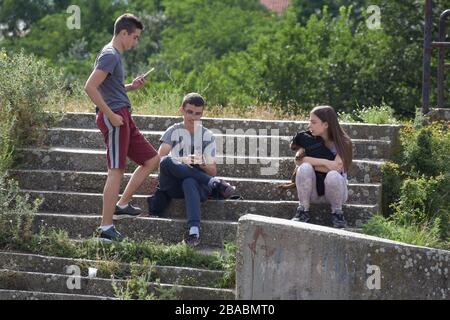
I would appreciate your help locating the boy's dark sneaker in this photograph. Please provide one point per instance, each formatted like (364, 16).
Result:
(192, 240)
(129, 211)
(338, 220)
(301, 215)
(225, 189)
(109, 235)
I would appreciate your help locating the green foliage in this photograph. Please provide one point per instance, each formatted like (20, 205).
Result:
(6, 140)
(201, 32)
(391, 183)
(423, 200)
(57, 243)
(375, 115)
(16, 214)
(28, 87)
(139, 280)
(140, 285)
(240, 55)
(416, 197)
(27, 11)
(420, 235)
(304, 9)
(297, 67)
(228, 261)
(426, 150)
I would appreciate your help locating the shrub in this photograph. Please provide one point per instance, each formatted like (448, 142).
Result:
(383, 114)
(28, 88)
(416, 197)
(426, 150)
(424, 200)
(391, 183)
(16, 214)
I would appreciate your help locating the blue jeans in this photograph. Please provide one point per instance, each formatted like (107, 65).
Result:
(179, 181)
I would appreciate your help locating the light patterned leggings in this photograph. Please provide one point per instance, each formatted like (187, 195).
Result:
(336, 192)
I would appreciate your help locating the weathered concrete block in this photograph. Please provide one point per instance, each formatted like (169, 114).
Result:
(279, 259)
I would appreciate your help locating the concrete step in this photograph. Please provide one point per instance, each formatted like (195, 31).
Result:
(168, 231)
(212, 210)
(58, 283)
(250, 189)
(166, 274)
(35, 295)
(232, 145)
(361, 171)
(285, 128)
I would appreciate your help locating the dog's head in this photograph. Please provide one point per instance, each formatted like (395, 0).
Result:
(297, 141)
(300, 140)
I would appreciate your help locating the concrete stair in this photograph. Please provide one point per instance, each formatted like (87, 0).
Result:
(68, 172)
(91, 139)
(30, 276)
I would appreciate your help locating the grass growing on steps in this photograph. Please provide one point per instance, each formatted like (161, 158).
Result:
(16, 220)
(419, 235)
(57, 243)
(136, 286)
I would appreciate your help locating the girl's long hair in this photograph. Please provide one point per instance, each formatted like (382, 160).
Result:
(336, 134)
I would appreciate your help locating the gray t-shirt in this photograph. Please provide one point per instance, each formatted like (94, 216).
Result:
(113, 88)
(184, 143)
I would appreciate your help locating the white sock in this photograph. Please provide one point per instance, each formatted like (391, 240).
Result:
(106, 227)
(194, 230)
(122, 207)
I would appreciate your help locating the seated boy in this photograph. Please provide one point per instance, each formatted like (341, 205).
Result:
(188, 166)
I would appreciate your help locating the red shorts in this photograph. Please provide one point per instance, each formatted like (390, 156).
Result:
(124, 141)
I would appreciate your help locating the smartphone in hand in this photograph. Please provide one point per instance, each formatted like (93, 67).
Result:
(148, 73)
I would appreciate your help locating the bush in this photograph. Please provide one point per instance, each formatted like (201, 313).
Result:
(383, 114)
(424, 200)
(16, 214)
(28, 87)
(426, 150)
(391, 183)
(6, 142)
(416, 197)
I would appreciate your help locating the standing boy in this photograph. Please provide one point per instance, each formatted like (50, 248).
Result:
(107, 90)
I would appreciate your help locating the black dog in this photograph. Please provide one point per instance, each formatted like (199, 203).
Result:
(313, 147)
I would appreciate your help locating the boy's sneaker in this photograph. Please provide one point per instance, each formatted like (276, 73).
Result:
(109, 235)
(301, 215)
(192, 240)
(129, 211)
(338, 220)
(226, 190)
